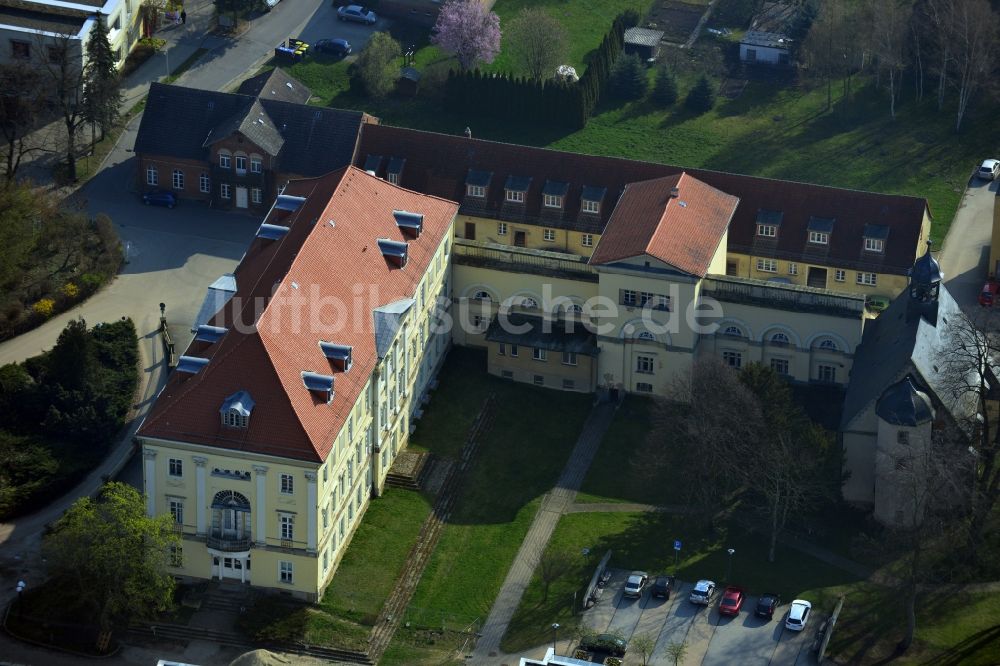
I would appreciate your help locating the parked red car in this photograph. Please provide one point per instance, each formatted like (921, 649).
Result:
(988, 296)
(732, 601)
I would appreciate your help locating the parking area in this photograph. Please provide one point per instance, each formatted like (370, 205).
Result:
(712, 640)
(323, 24)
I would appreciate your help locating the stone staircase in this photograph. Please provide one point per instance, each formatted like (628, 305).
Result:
(408, 470)
(227, 598)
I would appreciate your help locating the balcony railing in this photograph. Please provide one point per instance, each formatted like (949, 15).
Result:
(508, 257)
(229, 544)
(783, 296)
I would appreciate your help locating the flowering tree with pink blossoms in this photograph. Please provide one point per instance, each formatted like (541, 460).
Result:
(467, 29)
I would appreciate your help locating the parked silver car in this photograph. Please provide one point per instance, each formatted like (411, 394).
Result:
(356, 13)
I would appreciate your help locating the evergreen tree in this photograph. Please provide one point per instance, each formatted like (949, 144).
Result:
(665, 88)
(628, 78)
(102, 95)
(701, 98)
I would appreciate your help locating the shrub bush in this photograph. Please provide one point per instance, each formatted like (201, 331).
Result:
(70, 290)
(701, 98)
(628, 78)
(665, 89)
(44, 307)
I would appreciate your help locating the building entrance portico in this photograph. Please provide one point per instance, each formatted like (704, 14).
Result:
(232, 566)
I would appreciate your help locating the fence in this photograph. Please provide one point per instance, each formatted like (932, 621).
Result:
(828, 629)
(601, 566)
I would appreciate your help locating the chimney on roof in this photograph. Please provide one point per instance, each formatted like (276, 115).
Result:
(468, 132)
(675, 192)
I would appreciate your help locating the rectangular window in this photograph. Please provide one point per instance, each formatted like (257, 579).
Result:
(780, 365)
(569, 358)
(224, 191)
(326, 560)
(285, 571)
(477, 322)
(549, 235)
(152, 176)
(514, 196)
(255, 165)
(22, 50)
(767, 230)
(644, 365)
(224, 160)
(55, 55)
(732, 359)
(241, 164)
(204, 184)
(552, 201)
(588, 240)
(839, 275)
(643, 387)
(501, 228)
(819, 237)
(176, 467)
(178, 181)
(628, 297)
(475, 191)
(874, 245)
(767, 265)
(826, 373)
(326, 518)
(539, 354)
(255, 195)
(793, 268)
(176, 556)
(513, 351)
(592, 207)
(507, 374)
(539, 380)
(869, 279)
(177, 511)
(287, 484)
(502, 349)
(286, 523)
(342, 530)
(393, 178)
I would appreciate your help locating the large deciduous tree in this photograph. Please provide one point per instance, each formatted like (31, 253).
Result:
(21, 98)
(888, 21)
(111, 557)
(377, 67)
(102, 95)
(538, 42)
(469, 31)
(975, 32)
(64, 67)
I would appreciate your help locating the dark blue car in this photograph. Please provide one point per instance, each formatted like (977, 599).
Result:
(159, 198)
(334, 47)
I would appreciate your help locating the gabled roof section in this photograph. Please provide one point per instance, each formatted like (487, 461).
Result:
(388, 320)
(266, 352)
(216, 297)
(275, 84)
(438, 164)
(255, 124)
(683, 231)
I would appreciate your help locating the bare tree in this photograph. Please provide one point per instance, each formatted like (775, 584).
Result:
(553, 565)
(832, 48)
(677, 652)
(63, 62)
(21, 99)
(939, 17)
(888, 25)
(643, 645)
(538, 41)
(975, 32)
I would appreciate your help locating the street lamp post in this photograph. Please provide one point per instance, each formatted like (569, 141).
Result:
(555, 636)
(729, 563)
(20, 597)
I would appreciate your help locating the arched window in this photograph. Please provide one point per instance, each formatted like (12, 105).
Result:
(573, 308)
(734, 331)
(529, 303)
(178, 179)
(779, 339)
(828, 345)
(646, 335)
(482, 296)
(234, 419)
(225, 158)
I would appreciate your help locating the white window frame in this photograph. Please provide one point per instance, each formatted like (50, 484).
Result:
(177, 179)
(643, 387)
(826, 373)
(874, 245)
(175, 467)
(569, 358)
(514, 196)
(256, 164)
(255, 195)
(587, 240)
(767, 230)
(819, 238)
(538, 380)
(204, 183)
(240, 159)
(733, 359)
(513, 351)
(840, 275)
(286, 484)
(767, 265)
(225, 191)
(629, 297)
(552, 201)
(286, 572)
(501, 228)
(477, 191)
(152, 176)
(589, 206)
(549, 235)
(539, 354)
(793, 268)
(780, 366)
(866, 279)
(286, 527)
(644, 365)
(177, 510)
(392, 177)
(225, 160)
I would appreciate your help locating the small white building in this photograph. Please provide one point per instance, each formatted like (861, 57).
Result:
(765, 48)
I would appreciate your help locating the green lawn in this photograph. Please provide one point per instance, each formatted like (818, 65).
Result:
(644, 541)
(519, 459)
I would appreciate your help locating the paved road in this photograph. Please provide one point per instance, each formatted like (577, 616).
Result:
(966, 250)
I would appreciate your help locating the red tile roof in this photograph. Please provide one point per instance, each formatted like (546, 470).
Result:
(439, 163)
(329, 255)
(684, 231)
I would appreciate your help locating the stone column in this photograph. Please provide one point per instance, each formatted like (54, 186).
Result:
(200, 508)
(261, 531)
(311, 511)
(150, 477)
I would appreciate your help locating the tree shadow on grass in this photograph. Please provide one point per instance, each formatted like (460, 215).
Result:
(981, 643)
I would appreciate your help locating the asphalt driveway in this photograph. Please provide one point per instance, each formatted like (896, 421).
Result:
(712, 640)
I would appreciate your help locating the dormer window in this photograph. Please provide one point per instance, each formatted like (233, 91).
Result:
(820, 229)
(319, 385)
(236, 410)
(341, 356)
(768, 222)
(395, 169)
(396, 252)
(767, 230)
(552, 201)
(875, 236)
(515, 188)
(554, 193)
(874, 245)
(476, 183)
(591, 198)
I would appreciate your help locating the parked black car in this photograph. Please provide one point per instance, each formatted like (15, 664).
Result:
(662, 586)
(336, 47)
(766, 604)
(610, 643)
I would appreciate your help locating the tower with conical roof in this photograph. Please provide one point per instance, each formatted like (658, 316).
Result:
(925, 286)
